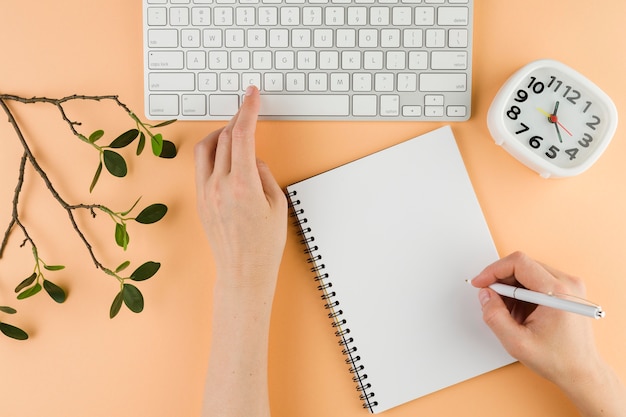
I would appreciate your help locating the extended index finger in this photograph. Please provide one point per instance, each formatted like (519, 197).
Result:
(243, 132)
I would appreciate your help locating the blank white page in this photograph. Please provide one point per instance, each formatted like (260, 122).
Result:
(399, 232)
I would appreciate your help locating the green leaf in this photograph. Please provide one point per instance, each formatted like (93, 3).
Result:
(169, 150)
(151, 214)
(54, 267)
(142, 143)
(29, 292)
(96, 135)
(122, 266)
(109, 272)
(115, 163)
(125, 139)
(117, 304)
(157, 144)
(168, 122)
(96, 177)
(121, 236)
(26, 282)
(57, 293)
(145, 271)
(8, 310)
(131, 209)
(133, 298)
(13, 332)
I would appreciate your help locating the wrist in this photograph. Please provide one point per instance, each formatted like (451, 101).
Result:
(240, 288)
(593, 388)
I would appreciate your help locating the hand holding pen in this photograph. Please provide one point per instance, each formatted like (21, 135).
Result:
(554, 343)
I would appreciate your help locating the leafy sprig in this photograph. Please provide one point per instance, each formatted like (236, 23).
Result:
(129, 294)
(36, 281)
(116, 164)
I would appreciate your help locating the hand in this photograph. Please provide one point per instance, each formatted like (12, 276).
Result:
(244, 214)
(242, 208)
(557, 345)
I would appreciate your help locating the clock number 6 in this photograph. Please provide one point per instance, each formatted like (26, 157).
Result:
(535, 142)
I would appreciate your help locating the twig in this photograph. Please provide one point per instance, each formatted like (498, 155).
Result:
(29, 157)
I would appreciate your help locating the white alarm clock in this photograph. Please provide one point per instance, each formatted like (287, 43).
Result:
(552, 119)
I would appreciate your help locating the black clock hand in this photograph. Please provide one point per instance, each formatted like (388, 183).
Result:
(554, 120)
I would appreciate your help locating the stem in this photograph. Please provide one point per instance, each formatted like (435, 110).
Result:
(16, 196)
(29, 157)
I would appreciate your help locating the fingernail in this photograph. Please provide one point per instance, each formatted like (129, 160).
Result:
(483, 296)
(249, 90)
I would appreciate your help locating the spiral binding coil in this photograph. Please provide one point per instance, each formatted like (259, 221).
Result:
(328, 295)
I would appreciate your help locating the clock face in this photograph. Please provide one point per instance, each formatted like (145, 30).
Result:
(553, 119)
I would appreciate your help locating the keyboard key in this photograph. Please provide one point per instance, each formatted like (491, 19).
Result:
(196, 60)
(194, 105)
(456, 111)
(201, 16)
(435, 38)
(389, 105)
(452, 16)
(165, 60)
(157, 16)
(229, 81)
(163, 105)
(424, 16)
(433, 100)
(457, 38)
(309, 104)
(163, 38)
(443, 82)
(412, 111)
(190, 38)
(433, 111)
(179, 16)
(223, 104)
(166, 81)
(443, 60)
(364, 105)
(207, 81)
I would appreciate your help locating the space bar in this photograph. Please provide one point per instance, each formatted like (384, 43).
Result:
(304, 105)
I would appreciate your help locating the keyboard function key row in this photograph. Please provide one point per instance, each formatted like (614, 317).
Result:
(302, 1)
(309, 15)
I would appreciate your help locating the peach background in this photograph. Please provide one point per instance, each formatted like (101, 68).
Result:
(78, 362)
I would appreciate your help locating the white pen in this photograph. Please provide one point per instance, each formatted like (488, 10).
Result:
(548, 300)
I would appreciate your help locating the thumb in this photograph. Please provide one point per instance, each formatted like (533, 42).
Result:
(497, 316)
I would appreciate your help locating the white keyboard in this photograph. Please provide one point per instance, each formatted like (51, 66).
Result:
(311, 59)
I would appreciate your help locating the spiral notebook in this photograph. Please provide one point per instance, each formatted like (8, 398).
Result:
(391, 239)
